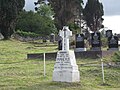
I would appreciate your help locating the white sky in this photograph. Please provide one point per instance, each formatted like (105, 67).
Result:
(29, 4)
(113, 23)
(111, 9)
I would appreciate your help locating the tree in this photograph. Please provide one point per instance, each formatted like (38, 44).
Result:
(64, 11)
(45, 11)
(93, 13)
(30, 21)
(9, 10)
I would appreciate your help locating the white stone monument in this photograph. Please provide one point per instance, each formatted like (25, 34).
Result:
(65, 68)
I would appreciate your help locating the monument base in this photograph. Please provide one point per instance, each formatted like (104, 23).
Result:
(113, 49)
(80, 49)
(65, 68)
(96, 49)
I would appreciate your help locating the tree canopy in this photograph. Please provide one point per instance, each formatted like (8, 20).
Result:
(45, 10)
(9, 10)
(93, 13)
(40, 23)
(64, 11)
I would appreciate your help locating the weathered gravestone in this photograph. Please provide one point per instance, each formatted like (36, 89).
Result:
(44, 39)
(113, 43)
(109, 33)
(65, 68)
(52, 37)
(80, 45)
(96, 41)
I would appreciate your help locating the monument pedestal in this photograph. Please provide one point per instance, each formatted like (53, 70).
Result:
(80, 49)
(113, 49)
(65, 68)
(96, 49)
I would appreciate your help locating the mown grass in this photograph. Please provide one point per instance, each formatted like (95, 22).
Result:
(18, 73)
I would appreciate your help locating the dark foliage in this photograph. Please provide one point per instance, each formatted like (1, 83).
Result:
(9, 10)
(29, 21)
(65, 11)
(93, 13)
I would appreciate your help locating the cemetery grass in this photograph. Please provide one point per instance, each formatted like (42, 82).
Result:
(18, 73)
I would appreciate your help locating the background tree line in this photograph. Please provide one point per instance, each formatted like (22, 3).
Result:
(39, 22)
(49, 18)
(9, 11)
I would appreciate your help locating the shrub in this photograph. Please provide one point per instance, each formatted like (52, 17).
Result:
(116, 57)
(104, 42)
(26, 34)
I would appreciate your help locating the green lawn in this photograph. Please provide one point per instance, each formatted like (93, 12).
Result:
(18, 73)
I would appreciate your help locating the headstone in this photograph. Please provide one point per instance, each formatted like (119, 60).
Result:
(65, 68)
(80, 45)
(113, 43)
(52, 37)
(96, 41)
(44, 39)
(109, 33)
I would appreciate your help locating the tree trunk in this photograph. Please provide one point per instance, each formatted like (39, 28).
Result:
(5, 32)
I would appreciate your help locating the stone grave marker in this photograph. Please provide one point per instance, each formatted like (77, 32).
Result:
(52, 37)
(80, 45)
(96, 41)
(113, 43)
(44, 39)
(65, 68)
(109, 33)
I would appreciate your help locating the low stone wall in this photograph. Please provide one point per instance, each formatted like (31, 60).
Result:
(49, 56)
(84, 54)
